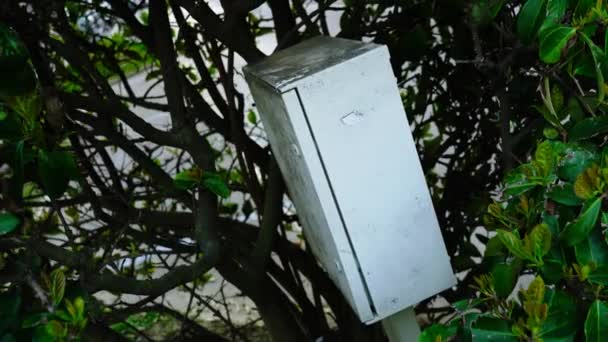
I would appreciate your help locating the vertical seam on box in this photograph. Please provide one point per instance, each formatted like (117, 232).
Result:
(335, 200)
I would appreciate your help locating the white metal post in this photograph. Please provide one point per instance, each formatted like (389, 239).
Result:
(402, 326)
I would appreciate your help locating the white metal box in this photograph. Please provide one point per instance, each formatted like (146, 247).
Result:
(336, 124)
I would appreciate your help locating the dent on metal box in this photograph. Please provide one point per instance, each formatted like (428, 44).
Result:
(336, 124)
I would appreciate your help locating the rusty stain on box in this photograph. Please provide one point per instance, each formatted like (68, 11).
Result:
(336, 125)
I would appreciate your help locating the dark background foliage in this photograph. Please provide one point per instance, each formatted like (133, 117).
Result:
(468, 87)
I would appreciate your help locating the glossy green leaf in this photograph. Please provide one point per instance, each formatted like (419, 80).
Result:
(8, 223)
(553, 41)
(216, 184)
(599, 275)
(530, 19)
(556, 9)
(494, 247)
(576, 159)
(588, 128)
(592, 249)
(596, 324)
(505, 277)
(576, 231)
(492, 329)
(564, 194)
(562, 319)
(517, 183)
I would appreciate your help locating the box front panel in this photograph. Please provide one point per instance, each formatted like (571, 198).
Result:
(297, 159)
(357, 119)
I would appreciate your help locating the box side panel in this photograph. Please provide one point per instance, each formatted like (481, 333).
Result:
(359, 124)
(297, 165)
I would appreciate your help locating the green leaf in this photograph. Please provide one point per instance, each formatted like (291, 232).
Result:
(599, 60)
(564, 194)
(513, 244)
(79, 306)
(592, 249)
(61, 314)
(556, 9)
(216, 184)
(34, 319)
(494, 247)
(529, 19)
(550, 132)
(8, 223)
(13, 53)
(57, 287)
(188, 179)
(599, 275)
(505, 277)
(587, 183)
(437, 332)
(55, 169)
(583, 7)
(42, 335)
(488, 329)
(517, 182)
(588, 128)
(553, 41)
(545, 157)
(596, 324)
(562, 319)
(576, 159)
(538, 241)
(56, 329)
(579, 229)
(27, 106)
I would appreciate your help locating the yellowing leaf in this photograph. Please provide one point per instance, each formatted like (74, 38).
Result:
(538, 241)
(545, 157)
(513, 244)
(587, 182)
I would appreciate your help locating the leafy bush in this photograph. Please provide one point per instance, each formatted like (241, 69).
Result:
(549, 218)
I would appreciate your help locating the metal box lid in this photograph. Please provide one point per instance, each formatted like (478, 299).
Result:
(335, 121)
(307, 58)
